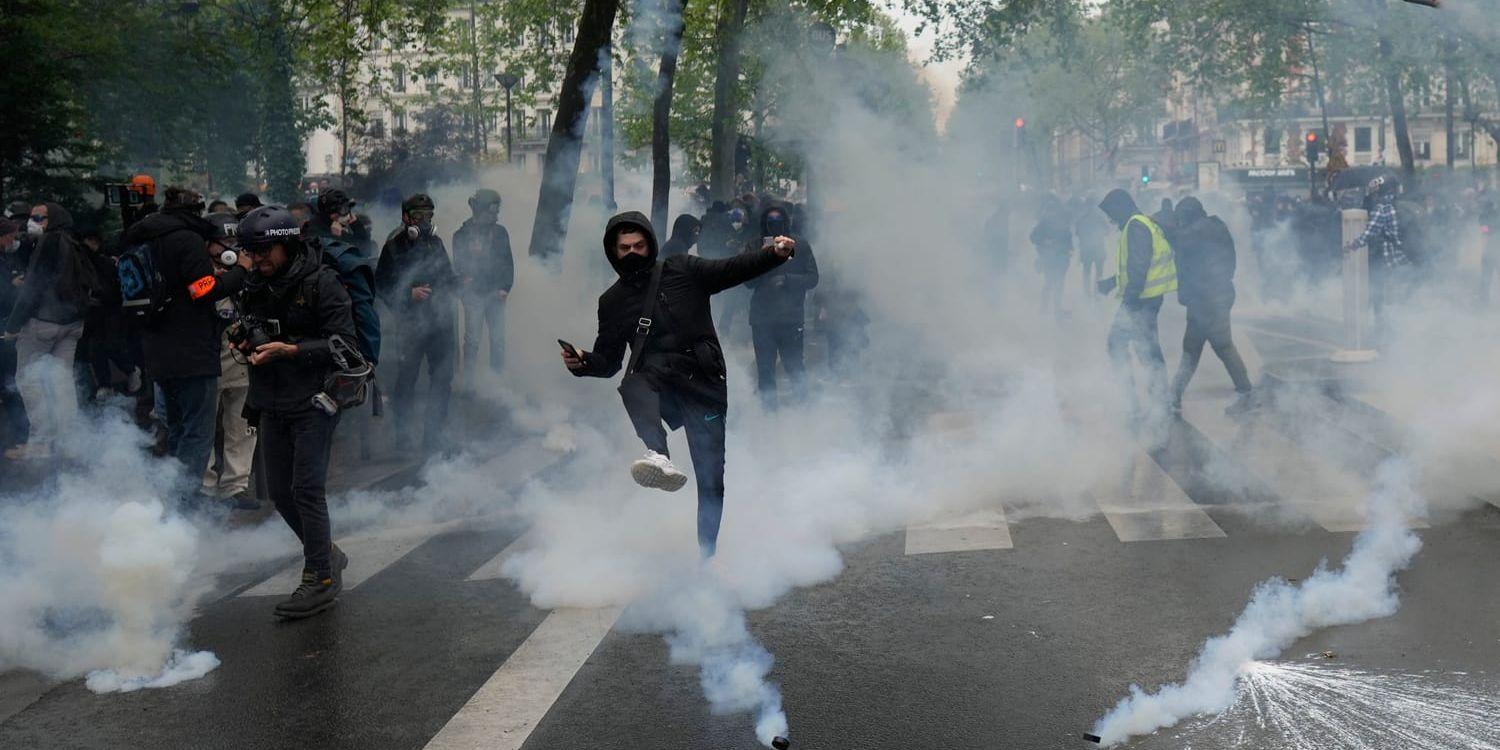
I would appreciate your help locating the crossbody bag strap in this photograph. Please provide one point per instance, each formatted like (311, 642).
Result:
(643, 325)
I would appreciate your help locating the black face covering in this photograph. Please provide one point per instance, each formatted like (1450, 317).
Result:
(775, 224)
(634, 263)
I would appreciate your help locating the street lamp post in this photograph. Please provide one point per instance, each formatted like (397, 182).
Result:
(508, 81)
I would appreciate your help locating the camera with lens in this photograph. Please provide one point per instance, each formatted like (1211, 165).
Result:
(253, 331)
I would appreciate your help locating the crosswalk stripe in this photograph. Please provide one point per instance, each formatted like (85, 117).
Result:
(982, 530)
(502, 714)
(368, 555)
(491, 569)
(1150, 507)
(1313, 486)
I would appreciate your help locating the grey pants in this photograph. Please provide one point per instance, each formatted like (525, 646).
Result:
(1210, 327)
(44, 376)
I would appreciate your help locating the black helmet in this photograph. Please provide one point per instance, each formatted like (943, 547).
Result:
(225, 226)
(266, 226)
(333, 202)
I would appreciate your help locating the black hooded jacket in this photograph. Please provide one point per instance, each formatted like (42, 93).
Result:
(183, 341)
(310, 304)
(682, 342)
(716, 233)
(46, 294)
(481, 252)
(684, 236)
(1204, 250)
(780, 295)
(1120, 207)
(405, 263)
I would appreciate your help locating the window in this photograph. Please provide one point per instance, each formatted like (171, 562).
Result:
(544, 122)
(377, 125)
(398, 78)
(1424, 148)
(1465, 142)
(1273, 141)
(398, 123)
(432, 78)
(1361, 140)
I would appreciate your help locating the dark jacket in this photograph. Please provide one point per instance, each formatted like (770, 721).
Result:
(51, 276)
(482, 257)
(780, 295)
(1204, 251)
(406, 263)
(356, 272)
(1053, 238)
(683, 348)
(310, 303)
(183, 341)
(1120, 207)
(716, 237)
(684, 236)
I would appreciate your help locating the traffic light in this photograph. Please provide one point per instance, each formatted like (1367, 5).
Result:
(1020, 131)
(1145, 175)
(1314, 146)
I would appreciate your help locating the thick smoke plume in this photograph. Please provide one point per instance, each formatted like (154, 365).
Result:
(1280, 613)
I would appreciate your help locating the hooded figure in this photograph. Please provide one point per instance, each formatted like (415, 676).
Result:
(778, 308)
(678, 375)
(1053, 239)
(1145, 273)
(684, 236)
(487, 270)
(46, 324)
(715, 235)
(1203, 250)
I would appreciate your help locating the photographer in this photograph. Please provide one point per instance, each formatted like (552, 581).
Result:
(676, 370)
(180, 343)
(292, 309)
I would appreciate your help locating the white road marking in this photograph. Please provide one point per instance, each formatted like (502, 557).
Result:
(510, 704)
(1149, 507)
(368, 555)
(491, 570)
(986, 529)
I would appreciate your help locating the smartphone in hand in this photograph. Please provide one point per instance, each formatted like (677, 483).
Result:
(570, 349)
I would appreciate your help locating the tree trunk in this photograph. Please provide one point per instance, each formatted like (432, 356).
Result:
(723, 132)
(1450, 82)
(607, 127)
(560, 172)
(1393, 93)
(661, 139)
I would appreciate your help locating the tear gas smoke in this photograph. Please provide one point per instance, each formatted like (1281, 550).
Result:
(1280, 613)
(98, 575)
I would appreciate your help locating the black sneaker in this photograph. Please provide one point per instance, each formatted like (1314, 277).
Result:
(339, 561)
(245, 500)
(1244, 403)
(312, 596)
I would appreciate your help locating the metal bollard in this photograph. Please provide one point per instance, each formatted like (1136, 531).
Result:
(1358, 317)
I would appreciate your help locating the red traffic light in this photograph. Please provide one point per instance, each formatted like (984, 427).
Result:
(1312, 137)
(1020, 123)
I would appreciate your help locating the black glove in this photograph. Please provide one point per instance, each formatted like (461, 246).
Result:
(1105, 286)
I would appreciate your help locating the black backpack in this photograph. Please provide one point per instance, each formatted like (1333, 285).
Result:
(143, 291)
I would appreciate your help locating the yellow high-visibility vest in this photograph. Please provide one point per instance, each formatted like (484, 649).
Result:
(1162, 276)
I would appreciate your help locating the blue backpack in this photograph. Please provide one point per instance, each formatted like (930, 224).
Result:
(143, 291)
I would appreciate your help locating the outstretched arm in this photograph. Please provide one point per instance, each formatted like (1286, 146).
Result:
(717, 275)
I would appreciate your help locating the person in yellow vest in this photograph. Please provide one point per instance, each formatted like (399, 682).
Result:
(1145, 273)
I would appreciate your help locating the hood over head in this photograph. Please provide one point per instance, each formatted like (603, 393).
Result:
(769, 227)
(164, 223)
(58, 218)
(685, 225)
(1119, 206)
(1189, 210)
(634, 221)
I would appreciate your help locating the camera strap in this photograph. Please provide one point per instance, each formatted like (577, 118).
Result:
(643, 325)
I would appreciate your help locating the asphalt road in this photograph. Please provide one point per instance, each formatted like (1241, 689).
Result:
(984, 634)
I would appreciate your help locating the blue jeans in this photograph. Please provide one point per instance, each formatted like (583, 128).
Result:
(192, 406)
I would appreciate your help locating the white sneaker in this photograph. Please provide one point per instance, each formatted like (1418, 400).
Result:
(656, 471)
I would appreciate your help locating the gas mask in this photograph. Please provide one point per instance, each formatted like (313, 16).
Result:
(421, 229)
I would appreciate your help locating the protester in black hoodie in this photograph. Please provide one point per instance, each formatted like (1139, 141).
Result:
(45, 324)
(306, 298)
(1144, 275)
(181, 343)
(676, 373)
(778, 310)
(415, 278)
(1204, 252)
(684, 236)
(13, 425)
(487, 271)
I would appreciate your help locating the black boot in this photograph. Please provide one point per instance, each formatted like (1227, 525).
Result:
(312, 596)
(340, 561)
